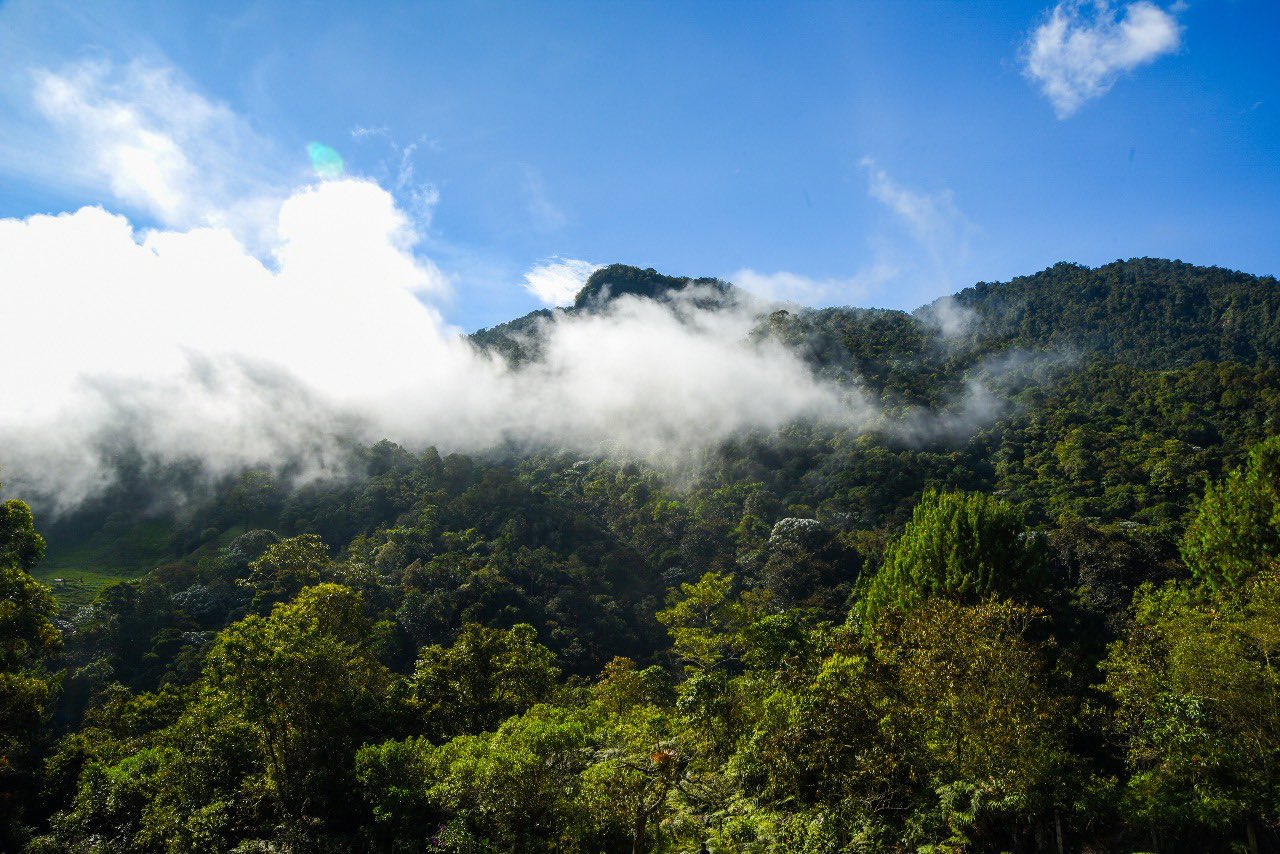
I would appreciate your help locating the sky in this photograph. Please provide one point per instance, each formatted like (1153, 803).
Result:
(874, 153)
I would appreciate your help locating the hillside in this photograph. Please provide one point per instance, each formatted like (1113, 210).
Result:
(812, 634)
(1146, 312)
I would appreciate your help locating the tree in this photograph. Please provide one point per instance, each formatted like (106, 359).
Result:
(306, 679)
(20, 544)
(254, 494)
(941, 729)
(706, 622)
(808, 565)
(973, 689)
(287, 566)
(1236, 530)
(710, 629)
(825, 759)
(27, 635)
(1197, 694)
(965, 547)
(637, 762)
(485, 677)
(516, 788)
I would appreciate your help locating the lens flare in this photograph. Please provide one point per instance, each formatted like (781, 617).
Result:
(326, 161)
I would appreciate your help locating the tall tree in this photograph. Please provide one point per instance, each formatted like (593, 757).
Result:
(306, 678)
(27, 636)
(1236, 530)
(485, 677)
(1197, 692)
(966, 547)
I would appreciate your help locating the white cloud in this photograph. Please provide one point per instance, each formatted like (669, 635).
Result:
(185, 345)
(544, 214)
(936, 226)
(419, 196)
(191, 343)
(933, 219)
(155, 145)
(557, 281)
(1081, 49)
(939, 229)
(948, 316)
(784, 286)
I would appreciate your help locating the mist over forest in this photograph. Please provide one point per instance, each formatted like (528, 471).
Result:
(665, 428)
(853, 578)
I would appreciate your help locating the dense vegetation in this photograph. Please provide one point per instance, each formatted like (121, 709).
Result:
(1046, 617)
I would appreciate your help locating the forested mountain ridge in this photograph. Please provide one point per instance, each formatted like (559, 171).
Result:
(1147, 312)
(1041, 617)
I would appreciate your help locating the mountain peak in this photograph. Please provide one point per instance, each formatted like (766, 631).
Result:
(615, 280)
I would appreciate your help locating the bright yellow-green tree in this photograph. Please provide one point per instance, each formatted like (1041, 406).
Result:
(965, 547)
(1236, 530)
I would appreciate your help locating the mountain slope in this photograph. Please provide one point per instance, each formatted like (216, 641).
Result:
(1148, 312)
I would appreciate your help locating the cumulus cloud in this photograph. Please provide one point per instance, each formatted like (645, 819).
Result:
(184, 344)
(1081, 49)
(199, 344)
(557, 281)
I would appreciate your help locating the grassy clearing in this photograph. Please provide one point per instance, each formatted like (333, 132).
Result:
(76, 572)
(86, 567)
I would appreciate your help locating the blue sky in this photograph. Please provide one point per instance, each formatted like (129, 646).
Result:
(878, 154)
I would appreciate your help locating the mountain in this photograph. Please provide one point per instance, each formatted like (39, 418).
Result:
(618, 280)
(995, 618)
(516, 339)
(1147, 312)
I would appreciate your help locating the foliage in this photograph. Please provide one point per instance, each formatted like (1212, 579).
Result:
(1236, 530)
(27, 635)
(20, 544)
(485, 677)
(1057, 643)
(963, 547)
(1198, 706)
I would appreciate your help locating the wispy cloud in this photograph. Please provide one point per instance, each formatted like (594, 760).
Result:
(151, 143)
(557, 281)
(419, 196)
(940, 230)
(544, 213)
(784, 286)
(1081, 49)
(937, 228)
(933, 219)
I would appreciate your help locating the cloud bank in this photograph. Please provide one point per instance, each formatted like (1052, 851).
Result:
(1081, 49)
(186, 345)
(255, 326)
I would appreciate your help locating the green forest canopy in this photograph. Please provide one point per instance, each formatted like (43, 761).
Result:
(1051, 628)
